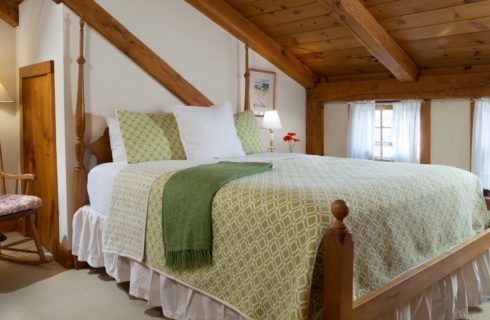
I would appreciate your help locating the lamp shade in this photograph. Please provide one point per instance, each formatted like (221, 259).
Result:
(4, 95)
(271, 120)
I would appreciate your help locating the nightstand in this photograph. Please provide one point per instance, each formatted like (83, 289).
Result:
(487, 201)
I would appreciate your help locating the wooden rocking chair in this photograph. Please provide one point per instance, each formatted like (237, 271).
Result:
(16, 206)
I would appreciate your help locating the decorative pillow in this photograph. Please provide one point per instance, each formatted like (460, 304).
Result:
(117, 145)
(150, 137)
(249, 132)
(208, 132)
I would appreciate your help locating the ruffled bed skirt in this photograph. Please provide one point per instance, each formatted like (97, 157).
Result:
(447, 299)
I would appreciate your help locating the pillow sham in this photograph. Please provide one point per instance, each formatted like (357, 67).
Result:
(150, 137)
(208, 132)
(249, 132)
(115, 137)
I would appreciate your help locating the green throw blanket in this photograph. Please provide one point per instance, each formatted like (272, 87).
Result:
(187, 204)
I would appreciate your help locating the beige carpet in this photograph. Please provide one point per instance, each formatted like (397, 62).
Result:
(50, 292)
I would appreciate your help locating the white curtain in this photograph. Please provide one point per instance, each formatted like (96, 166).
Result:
(406, 131)
(360, 142)
(480, 157)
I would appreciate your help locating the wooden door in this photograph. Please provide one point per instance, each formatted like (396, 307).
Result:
(38, 144)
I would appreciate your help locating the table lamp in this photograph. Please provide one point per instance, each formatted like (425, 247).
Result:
(271, 121)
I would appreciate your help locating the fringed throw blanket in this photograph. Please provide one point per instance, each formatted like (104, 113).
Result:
(187, 203)
(267, 228)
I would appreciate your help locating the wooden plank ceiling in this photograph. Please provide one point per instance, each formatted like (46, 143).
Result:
(434, 33)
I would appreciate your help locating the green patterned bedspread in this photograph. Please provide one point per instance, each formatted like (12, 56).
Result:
(267, 228)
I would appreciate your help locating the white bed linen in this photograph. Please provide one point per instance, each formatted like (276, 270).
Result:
(446, 299)
(99, 185)
(101, 178)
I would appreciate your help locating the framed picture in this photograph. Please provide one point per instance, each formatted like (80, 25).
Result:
(262, 91)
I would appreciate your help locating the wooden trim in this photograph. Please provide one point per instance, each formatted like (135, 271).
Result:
(371, 34)
(36, 70)
(9, 12)
(427, 87)
(425, 132)
(315, 126)
(472, 117)
(64, 256)
(136, 50)
(372, 305)
(231, 20)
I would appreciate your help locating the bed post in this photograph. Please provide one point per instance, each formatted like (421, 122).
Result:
(80, 198)
(337, 296)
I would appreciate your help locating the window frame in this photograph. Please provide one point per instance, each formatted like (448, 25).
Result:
(382, 107)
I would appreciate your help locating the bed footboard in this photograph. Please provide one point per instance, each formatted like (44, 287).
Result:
(338, 290)
(339, 261)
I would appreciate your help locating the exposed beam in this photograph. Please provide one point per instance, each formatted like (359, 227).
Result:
(231, 20)
(136, 50)
(371, 34)
(9, 11)
(427, 87)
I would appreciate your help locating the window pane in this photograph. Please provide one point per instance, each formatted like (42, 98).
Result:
(387, 135)
(377, 151)
(387, 152)
(377, 118)
(377, 134)
(387, 118)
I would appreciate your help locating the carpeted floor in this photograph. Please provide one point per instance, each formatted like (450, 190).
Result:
(50, 292)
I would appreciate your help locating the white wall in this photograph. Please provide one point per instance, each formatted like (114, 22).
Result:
(9, 123)
(450, 131)
(336, 125)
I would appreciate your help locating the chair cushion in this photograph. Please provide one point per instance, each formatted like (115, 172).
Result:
(14, 203)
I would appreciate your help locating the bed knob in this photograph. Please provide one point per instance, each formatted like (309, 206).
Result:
(340, 210)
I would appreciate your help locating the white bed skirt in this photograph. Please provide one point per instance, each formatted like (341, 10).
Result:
(447, 299)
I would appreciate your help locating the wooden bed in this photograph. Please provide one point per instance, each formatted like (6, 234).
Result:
(338, 283)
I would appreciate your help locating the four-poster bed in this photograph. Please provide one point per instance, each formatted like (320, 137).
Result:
(338, 244)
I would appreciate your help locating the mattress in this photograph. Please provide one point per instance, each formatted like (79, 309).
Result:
(99, 185)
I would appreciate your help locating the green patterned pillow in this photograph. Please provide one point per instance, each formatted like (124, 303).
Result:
(150, 137)
(249, 133)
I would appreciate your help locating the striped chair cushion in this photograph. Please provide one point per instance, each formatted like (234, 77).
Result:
(13, 203)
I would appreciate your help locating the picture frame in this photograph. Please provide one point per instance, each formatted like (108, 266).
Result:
(262, 92)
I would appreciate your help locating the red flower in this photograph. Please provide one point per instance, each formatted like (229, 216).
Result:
(291, 134)
(287, 138)
(296, 139)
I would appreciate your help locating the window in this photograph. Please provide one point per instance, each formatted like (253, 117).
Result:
(383, 140)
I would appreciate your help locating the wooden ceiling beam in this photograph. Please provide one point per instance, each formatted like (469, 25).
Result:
(434, 86)
(371, 34)
(9, 12)
(231, 20)
(136, 50)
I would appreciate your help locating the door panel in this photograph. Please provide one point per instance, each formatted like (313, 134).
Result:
(39, 145)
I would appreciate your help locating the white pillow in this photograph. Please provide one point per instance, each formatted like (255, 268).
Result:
(115, 137)
(208, 132)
